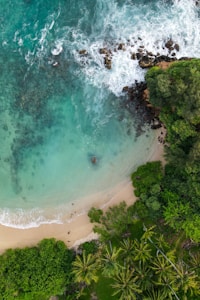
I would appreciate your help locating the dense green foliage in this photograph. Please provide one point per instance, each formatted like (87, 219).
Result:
(147, 180)
(142, 264)
(176, 91)
(134, 259)
(147, 177)
(114, 223)
(90, 247)
(35, 273)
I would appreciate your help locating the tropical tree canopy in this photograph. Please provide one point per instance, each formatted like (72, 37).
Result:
(176, 91)
(35, 273)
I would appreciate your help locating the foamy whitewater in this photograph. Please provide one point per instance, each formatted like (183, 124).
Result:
(60, 106)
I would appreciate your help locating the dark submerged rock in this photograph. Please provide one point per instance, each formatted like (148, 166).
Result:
(156, 126)
(137, 105)
(104, 51)
(133, 56)
(107, 57)
(146, 62)
(93, 160)
(121, 46)
(108, 62)
(163, 58)
(171, 45)
(83, 52)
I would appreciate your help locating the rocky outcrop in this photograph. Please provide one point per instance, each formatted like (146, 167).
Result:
(138, 101)
(138, 93)
(107, 57)
(108, 62)
(145, 58)
(121, 46)
(83, 52)
(171, 45)
(150, 61)
(146, 61)
(138, 96)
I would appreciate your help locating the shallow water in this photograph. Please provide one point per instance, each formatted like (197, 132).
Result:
(59, 109)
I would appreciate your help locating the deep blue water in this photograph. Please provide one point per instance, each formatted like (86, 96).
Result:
(59, 108)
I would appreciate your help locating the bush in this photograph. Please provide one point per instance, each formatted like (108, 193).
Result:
(95, 215)
(89, 247)
(37, 272)
(146, 176)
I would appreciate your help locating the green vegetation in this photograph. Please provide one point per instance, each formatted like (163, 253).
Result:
(148, 251)
(143, 264)
(147, 177)
(135, 263)
(36, 273)
(112, 224)
(176, 91)
(147, 180)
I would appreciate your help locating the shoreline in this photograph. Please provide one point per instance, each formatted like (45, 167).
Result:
(73, 232)
(78, 229)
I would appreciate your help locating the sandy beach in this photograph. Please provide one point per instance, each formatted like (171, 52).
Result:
(78, 229)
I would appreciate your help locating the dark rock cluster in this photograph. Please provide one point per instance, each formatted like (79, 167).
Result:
(107, 54)
(139, 96)
(144, 57)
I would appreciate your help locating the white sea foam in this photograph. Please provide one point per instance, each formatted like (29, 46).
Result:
(136, 25)
(23, 219)
(81, 188)
(133, 25)
(39, 41)
(42, 45)
(57, 49)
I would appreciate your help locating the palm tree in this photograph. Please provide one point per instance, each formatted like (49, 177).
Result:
(125, 284)
(161, 243)
(156, 294)
(195, 262)
(144, 275)
(127, 247)
(148, 233)
(165, 275)
(187, 280)
(85, 269)
(142, 251)
(109, 262)
(169, 257)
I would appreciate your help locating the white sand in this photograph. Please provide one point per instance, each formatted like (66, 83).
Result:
(79, 229)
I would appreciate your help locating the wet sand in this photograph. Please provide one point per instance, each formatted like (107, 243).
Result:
(78, 229)
(73, 232)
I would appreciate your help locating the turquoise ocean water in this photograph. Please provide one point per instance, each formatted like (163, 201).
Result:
(59, 108)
